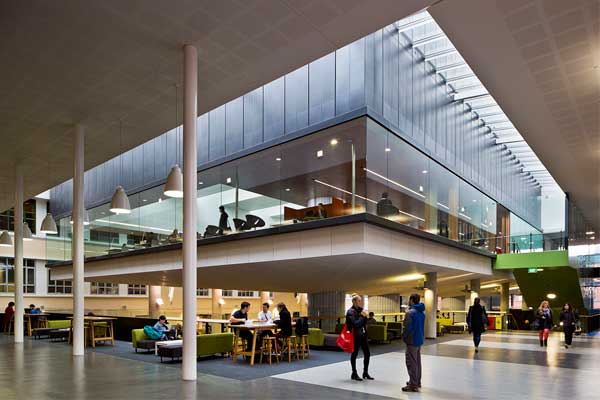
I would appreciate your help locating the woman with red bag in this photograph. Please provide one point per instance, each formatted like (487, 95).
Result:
(356, 320)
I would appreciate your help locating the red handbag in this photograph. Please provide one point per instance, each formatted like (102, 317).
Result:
(345, 340)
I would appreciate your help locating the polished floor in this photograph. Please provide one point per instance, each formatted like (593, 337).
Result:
(508, 366)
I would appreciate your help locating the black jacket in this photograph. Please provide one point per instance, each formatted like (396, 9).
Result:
(355, 320)
(543, 321)
(569, 320)
(285, 322)
(477, 318)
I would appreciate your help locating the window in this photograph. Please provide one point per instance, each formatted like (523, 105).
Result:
(7, 217)
(246, 293)
(203, 292)
(135, 289)
(105, 288)
(7, 275)
(227, 293)
(59, 286)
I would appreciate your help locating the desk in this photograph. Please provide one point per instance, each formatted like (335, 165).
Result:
(91, 320)
(255, 327)
(28, 317)
(208, 321)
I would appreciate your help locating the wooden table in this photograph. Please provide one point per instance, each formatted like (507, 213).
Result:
(254, 327)
(91, 320)
(28, 317)
(208, 321)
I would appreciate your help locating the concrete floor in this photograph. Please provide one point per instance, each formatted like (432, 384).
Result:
(508, 366)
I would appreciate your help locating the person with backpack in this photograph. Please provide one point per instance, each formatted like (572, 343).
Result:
(414, 336)
(162, 327)
(356, 320)
(568, 319)
(544, 322)
(477, 321)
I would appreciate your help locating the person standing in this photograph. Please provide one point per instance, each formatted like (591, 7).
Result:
(223, 220)
(544, 322)
(414, 335)
(356, 319)
(568, 319)
(477, 321)
(9, 313)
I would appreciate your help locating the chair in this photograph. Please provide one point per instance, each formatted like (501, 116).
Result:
(290, 343)
(269, 343)
(211, 231)
(254, 222)
(302, 347)
(240, 225)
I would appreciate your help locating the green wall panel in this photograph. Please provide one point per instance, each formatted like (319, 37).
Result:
(544, 259)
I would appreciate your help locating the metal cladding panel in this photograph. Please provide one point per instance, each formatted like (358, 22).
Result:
(216, 141)
(138, 166)
(149, 161)
(374, 71)
(296, 100)
(350, 77)
(321, 79)
(202, 134)
(160, 157)
(274, 109)
(253, 118)
(391, 65)
(234, 126)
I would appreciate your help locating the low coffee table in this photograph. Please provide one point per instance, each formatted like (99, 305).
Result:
(167, 343)
(59, 334)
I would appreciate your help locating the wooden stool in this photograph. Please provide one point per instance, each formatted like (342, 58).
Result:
(289, 344)
(42, 322)
(303, 346)
(269, 343)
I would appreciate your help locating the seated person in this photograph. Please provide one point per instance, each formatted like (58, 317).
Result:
(371, 319)
(240, 317)
(384, 205)
(174, 236)
(223, 221)
(265, 316)
(284, 323)
(162, 326)
(33, 310)
(322, 211)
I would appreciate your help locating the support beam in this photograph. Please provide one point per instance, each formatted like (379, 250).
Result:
(430, 302)
(190, 194)
(217, 307)
(505, 302)
(18, 261)
(77, 242)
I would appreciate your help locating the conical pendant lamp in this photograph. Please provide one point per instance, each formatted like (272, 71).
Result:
(86, 218)
(174, 184)
(120, 202)
(27, 235)
(49, 225)
(5, 239)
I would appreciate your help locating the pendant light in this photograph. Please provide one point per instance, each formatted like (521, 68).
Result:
(174, 184)
(5, 239)
(49, 225)
(27, 235)
(120, 202)
(86, 218)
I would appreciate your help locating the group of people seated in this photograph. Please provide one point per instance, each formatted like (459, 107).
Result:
(33, 309)
(283, 322)
(166, 332)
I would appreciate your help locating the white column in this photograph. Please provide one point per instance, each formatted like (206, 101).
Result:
(18, 263)
(154, 293)
(470, 297)
(190, 194)
(431, 305)
(264, 297)
(505, 303)
(77, 242)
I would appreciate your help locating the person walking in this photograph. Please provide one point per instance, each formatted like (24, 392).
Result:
(568, 320)
(477, 321)
(356, 319)
(413, 336)
(544, 322)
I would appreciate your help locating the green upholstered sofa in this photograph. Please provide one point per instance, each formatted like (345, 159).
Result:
(214, 343)
(316, 337)
(377, 332)
(139, 340)
(59, 324)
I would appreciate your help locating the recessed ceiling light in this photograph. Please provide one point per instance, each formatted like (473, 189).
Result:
(333, 142)
(228, 180)
(589, 233)
(424, 171)
(592, 237)
(277, 158)
(287, 189)
(159, 200)
(144, 200)
(551, 296)
(462, 209)
(319, 153)
(474, 201)
(200, 183)
(388, 149)
(420, 188)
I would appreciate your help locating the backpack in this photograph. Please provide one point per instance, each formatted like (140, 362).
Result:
(152, 333)
(302, 326)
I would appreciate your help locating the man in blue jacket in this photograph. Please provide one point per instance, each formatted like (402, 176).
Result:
(414, 328)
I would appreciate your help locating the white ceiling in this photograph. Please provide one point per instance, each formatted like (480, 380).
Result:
(95, 62)
(540, 59)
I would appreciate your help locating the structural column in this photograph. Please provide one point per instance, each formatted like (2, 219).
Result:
(190, 194)
(264, 297)
(77, 242)
(430, 305)
(505, 303)
(469, 298)
(154, 299)
(217, 303)
(18, 263)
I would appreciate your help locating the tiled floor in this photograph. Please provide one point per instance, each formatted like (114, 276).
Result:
(508, 366)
